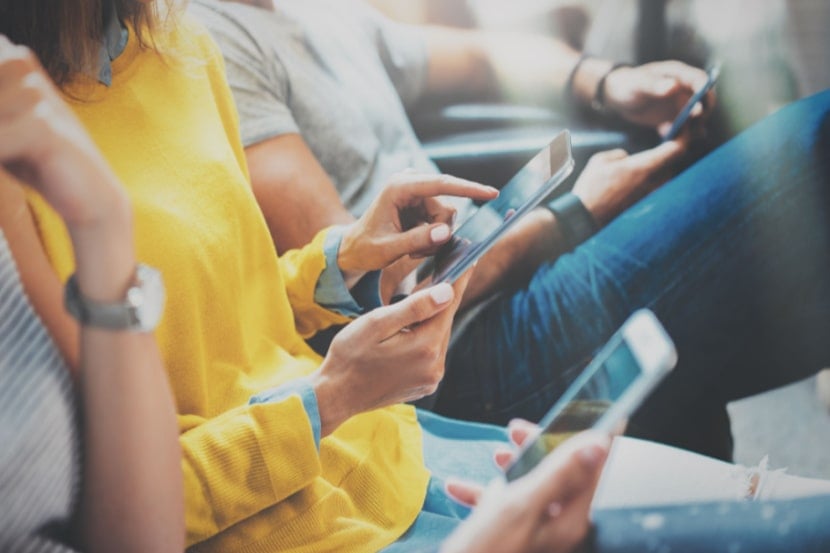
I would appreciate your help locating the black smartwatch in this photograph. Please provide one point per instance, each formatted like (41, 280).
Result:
(575, 222)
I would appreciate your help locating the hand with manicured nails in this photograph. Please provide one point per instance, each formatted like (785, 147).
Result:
(392, 355)
(405, 220)
(655, 93)
(544, 511)
(613, 181)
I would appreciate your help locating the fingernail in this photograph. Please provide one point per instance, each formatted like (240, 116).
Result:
(441, 294)
(493, 189)
(591, 456)
(440, 233)
(502, 457)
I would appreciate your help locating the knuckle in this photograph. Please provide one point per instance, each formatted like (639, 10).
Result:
(372, 320)
(420, 310)
(32, 90)
(435, 376)
(41, 118)
(424, 351)
(430, 389)
(26, 56)
(446, 179)
(617, 153)
(399, 180)
(18, 60)
(387, 249)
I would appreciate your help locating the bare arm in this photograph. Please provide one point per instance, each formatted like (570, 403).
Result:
(132, 499)
(293, 190)
(515, 257)
(611, 182)
(536, 68)
(40, 282)
(517, 66)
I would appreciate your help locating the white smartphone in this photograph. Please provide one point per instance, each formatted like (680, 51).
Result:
(613, 385)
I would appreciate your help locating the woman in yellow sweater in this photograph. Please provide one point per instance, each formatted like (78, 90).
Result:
(282, 450)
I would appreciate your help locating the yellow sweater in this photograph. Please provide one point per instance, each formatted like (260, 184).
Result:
(254, 480)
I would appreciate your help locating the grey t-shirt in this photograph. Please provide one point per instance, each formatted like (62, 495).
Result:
(335, 71)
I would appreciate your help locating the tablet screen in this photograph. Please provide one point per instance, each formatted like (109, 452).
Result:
(532, 184)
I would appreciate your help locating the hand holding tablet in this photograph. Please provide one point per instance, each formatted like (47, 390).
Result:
(477, 235)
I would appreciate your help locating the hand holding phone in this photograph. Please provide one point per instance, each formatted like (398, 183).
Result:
(613, 385)
(686, 112)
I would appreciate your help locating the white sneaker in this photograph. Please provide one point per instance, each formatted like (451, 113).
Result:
(823, 387)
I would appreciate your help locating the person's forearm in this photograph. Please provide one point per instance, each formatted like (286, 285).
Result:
(294, 192)
(535, 239)
(511, 65)
(132, 498)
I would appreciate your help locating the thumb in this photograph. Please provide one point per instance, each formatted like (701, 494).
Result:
(417, 308)
(419, 240)
(659, 157)
(572, 467)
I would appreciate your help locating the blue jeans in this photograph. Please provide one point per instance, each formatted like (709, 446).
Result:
(740, 527)
(733, 256)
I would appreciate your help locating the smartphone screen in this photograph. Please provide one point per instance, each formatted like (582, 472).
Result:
(605, 394)
(532, 184)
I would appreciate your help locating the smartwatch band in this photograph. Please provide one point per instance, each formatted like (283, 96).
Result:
(598, 102)
(568, 91)
(573, 219)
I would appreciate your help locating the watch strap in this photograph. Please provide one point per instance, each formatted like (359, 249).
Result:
(598, 102)
(575, 222)
(97, 314)
(140, 310)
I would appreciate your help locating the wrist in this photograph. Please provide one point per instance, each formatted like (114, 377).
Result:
(574, 220)
(587, 77)
(331, 403)
(348, 261)
(105, 257)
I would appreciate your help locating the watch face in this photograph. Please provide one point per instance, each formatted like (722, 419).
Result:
(147, 297)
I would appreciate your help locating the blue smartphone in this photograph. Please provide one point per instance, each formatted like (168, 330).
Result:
(681, 119)
(619, 378)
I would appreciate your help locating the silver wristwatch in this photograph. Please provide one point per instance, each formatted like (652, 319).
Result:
(140, 311)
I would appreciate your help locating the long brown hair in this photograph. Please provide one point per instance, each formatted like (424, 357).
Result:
(66, 34)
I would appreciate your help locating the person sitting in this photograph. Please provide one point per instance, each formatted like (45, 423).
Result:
(127, 494)
(281, 448)
(321, 88)
(131, 498)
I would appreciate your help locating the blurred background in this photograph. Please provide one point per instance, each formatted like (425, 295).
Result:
(773, 51)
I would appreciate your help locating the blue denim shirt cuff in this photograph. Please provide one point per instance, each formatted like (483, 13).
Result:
(301, 387)
(331, 291)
